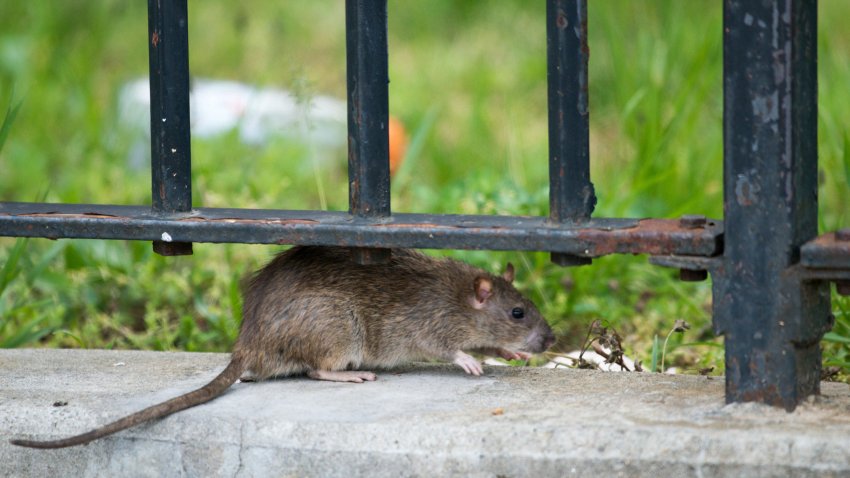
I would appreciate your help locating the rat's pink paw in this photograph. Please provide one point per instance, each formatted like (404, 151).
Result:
(507, 354)
(511, 355)
(353, 376)
(468, 363)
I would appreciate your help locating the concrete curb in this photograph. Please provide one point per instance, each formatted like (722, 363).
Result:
(424, 420)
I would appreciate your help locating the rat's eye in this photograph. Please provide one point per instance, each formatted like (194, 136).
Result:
(517, 313)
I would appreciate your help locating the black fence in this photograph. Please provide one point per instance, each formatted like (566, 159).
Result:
(770, 271)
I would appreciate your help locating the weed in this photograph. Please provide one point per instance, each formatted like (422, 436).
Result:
(679, 327)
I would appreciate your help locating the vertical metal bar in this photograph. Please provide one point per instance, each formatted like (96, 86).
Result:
(571, 194)
(171, 181)
(772, 321)
(368, 115)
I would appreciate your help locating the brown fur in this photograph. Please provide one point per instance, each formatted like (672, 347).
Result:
(312, 309)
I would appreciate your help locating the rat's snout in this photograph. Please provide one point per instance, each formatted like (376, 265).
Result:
(549, 340)
(541, 338)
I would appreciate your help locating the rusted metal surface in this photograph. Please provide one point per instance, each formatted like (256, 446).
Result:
(693, 263)
(691, 268)
(826, 252)
(771, 320)
(597, 237)
(830, 253)
(690, 274)
(693, 221)
(648, 236)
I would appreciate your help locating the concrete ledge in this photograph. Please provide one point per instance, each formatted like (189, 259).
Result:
(425, 420)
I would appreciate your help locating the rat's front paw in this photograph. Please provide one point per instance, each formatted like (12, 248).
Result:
(511, 355)
(468, 363)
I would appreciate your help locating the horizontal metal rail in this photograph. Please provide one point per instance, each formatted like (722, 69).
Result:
(594, 238)
(828, 251)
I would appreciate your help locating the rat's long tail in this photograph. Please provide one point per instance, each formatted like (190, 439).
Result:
(214, 388)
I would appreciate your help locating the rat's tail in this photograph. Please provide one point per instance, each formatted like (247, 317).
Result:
(206, 393)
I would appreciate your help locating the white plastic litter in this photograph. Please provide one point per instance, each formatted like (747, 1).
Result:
(571, 359)
(259, 114)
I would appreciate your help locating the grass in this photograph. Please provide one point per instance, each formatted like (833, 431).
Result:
(468, 80)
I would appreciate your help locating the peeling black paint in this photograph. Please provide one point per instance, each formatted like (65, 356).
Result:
(771, 318)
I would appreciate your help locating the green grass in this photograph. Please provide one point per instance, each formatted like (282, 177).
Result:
(468, 80)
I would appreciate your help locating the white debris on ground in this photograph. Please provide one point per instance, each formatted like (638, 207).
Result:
(571, 360)
(495, 362)
(258, 114)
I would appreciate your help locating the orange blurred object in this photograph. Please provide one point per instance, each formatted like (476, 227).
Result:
(398, 144)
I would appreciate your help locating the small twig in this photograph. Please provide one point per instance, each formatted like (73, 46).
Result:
(597, 347)
(599, 350)
(587, 341)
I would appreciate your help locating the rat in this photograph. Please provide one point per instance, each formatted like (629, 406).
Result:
(313, 311)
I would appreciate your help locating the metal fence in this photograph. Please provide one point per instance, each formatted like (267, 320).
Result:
(770, 272)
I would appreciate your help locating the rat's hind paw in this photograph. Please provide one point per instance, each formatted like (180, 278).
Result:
(354, 376)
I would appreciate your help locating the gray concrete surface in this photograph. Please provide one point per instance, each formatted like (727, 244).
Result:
(424, 420)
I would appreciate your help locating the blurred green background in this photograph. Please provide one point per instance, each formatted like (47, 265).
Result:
(467, 80)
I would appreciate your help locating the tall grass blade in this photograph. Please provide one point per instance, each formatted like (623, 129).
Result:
(833, 337)
(845, 158)
(27, 334)
(11, 114)
(10, 268)
(235, 299)
(656, 355)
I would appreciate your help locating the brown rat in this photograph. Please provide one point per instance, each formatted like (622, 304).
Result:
(311, 310)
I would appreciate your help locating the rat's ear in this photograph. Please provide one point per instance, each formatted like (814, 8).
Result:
(508, 275)
(483, 290)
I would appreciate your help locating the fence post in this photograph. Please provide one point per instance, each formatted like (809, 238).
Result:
(171, 155)
(571, 195)
(771, 319)
(368, 116)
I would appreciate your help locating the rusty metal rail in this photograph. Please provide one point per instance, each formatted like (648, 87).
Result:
(594, 238)
(829, 251)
